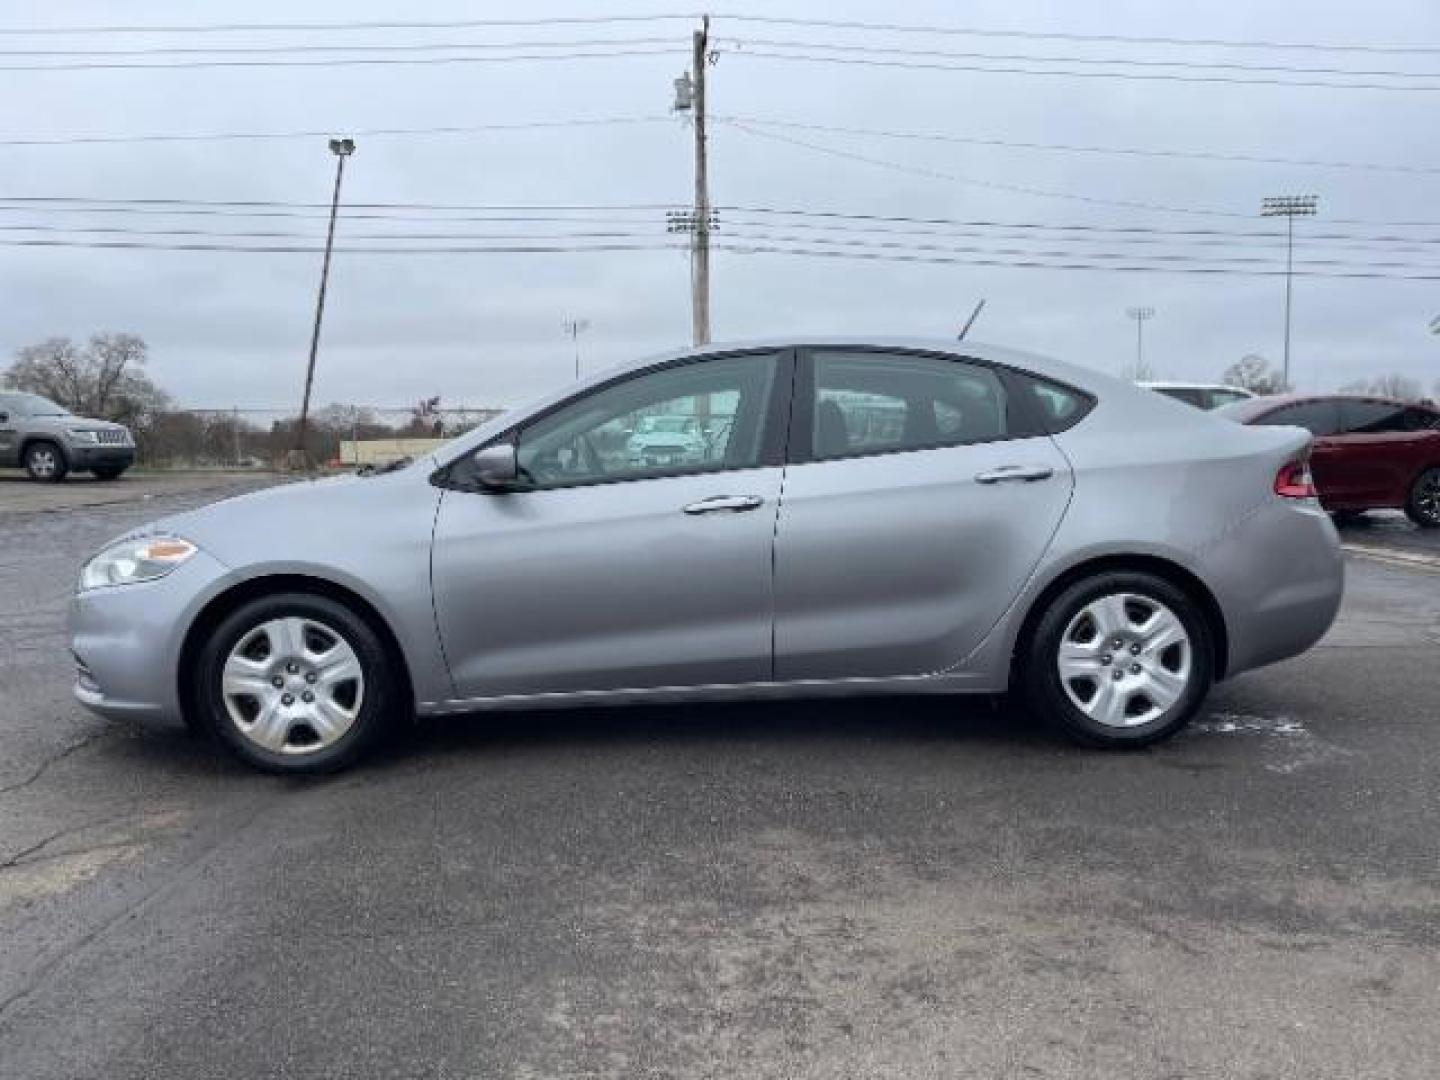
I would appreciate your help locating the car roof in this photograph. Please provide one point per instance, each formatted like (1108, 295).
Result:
(1258, 406)
(1083, 377)
(1175, 384)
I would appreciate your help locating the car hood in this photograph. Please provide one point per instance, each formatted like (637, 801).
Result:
(298, 516)
(62, 423)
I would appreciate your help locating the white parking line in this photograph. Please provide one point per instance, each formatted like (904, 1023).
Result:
(1415, 560)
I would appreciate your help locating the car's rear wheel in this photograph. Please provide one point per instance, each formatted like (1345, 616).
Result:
(45, 461)
(109, 472)
(295, 683)
(1423, 505)
(1120, 659)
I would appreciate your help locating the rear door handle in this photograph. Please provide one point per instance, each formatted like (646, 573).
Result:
(716, 503)
(1005, 473)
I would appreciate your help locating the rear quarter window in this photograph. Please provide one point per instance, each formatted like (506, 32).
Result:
(1045, 407)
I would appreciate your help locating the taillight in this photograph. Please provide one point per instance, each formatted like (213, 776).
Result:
(1294, 482)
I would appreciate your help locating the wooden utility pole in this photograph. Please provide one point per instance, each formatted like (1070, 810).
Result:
(700, 239)
(341, 148)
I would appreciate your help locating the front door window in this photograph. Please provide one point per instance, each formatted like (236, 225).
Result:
(691, 418)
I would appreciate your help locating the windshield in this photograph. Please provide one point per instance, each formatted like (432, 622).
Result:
(31, 405)
(674, 425)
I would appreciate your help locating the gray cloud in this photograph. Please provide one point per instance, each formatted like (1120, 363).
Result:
(233, 329)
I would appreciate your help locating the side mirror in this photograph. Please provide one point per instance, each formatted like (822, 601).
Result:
(496, 466)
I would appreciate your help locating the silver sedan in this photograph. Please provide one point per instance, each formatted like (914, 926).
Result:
(878, 517)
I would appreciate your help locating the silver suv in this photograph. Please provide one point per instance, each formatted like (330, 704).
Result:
(50, 441)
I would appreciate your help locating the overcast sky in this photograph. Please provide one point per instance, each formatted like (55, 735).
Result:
(232, 328)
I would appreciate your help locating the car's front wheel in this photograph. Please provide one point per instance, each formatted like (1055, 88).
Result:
(45, 461)
(1119, 660)
(1423, 506)
(295, 683)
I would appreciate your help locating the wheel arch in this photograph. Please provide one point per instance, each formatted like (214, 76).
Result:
(1184, 580)
(223, 603)
(30, 440)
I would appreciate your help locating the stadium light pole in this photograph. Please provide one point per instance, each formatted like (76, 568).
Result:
(1289, 207)
(342, 149)
(1140, 315)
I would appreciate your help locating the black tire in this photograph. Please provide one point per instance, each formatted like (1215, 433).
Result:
(374, 715)
(45, 461)
(1045, 689)
(1423, 505)
(109, 472)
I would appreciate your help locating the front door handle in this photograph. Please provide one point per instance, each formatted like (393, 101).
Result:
(716, 503)
(1027, 473)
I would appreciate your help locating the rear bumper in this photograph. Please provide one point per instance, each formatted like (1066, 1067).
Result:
(1279, 577)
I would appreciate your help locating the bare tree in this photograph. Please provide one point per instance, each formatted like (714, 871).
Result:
(1393, 385)
(103, 379)
(1252, 372)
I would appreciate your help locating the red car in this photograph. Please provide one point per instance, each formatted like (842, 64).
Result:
(1370, 453)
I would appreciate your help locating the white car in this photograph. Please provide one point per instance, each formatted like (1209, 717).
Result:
(1202, 395)
(666, 440)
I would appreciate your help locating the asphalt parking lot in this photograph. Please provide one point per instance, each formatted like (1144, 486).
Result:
(884, 888)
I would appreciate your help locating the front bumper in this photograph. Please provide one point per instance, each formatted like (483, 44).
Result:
(92, 456)
(126, 640)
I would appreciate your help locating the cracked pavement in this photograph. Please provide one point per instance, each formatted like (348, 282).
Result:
(881, 888)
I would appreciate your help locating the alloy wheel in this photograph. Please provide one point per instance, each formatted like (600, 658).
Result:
(1426, 499)
(42, 462)
(1125, 659)
(292, 685)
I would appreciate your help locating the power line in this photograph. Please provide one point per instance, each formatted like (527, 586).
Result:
(252, 50)
(762, 249)
(215, 136)
(917, 65)
(771, 20)
(970, 140)
(454, 24)
(1185, 65)
(295, 249)
(754, 121)
(1055, 35)
(211, 51)
(339, 62)
(759, 247)
(936, 174)
(587, 212)
(871, 234)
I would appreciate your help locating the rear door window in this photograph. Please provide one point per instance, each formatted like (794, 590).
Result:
(1316, 417)
(870, 402)
(1371, 417)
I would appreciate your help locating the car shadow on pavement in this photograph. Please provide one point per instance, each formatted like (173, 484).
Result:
(917, 722)
(916, 719)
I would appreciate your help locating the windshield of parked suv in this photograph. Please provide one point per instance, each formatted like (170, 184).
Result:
(30, 405)
(674, 425)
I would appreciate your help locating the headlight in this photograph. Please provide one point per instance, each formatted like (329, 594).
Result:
(85, 435)
(131, 561)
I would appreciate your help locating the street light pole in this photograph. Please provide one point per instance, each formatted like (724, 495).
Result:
(342, 149)
(575, 327)
(1289, 207)
(1140, 314)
